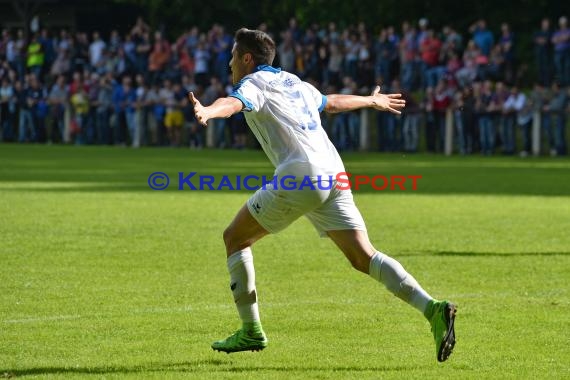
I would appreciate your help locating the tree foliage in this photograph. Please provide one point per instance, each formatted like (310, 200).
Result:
(178, 15)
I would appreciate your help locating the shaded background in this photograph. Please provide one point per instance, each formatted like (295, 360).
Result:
(175, 16)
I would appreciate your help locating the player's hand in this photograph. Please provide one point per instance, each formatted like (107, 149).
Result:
(387, 102)
(199, 110)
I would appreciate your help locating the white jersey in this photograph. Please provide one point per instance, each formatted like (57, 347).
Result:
(283, 113)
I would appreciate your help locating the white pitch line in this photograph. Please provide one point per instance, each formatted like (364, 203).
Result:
(43, 319)
(190, 308)
(157, 310)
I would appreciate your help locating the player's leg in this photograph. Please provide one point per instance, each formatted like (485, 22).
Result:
(242, 232)
(340, 219)
(240, 235)
(269, 210)
(364, 257)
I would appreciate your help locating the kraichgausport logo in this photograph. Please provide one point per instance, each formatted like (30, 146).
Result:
(342, 181)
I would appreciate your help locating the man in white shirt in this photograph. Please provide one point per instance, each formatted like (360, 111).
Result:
(283, 113)
(515, 108)
(96, 50)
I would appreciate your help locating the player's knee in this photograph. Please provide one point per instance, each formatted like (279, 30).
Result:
(360, 263)
(232, 241)
(228, 236)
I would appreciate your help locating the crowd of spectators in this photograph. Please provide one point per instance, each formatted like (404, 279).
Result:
(131, 89)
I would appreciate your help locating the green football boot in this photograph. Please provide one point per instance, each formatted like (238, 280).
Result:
(441, 316)
(244, 339)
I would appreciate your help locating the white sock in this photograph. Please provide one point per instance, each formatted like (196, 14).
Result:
(242, 284)
(393, 275)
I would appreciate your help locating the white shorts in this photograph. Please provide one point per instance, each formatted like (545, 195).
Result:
(327, 210)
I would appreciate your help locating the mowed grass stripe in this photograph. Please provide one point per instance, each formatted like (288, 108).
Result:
(111, 279)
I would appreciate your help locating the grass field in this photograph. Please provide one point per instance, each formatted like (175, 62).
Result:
(102, 277)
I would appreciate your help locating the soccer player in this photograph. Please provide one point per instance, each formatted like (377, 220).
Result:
(283, 113)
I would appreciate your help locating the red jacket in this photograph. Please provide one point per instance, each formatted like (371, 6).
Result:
(430, 48)
(441, 101)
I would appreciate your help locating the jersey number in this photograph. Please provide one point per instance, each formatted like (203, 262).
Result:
(307, 119)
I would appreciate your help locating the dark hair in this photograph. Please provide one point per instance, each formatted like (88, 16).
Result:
(257, 43)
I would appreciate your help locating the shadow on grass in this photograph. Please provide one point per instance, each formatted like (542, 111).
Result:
(484, 254)
(104, 169)
(108, 185)
(205, 366)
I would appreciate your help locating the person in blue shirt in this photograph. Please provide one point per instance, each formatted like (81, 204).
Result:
(124, 98)
(482, 36)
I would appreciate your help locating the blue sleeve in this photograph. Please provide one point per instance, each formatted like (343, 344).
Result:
(249, 94)
(323, 104)
(247, 106)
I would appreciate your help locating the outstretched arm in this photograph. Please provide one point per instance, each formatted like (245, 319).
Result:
(221, 108)
(341, 103)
